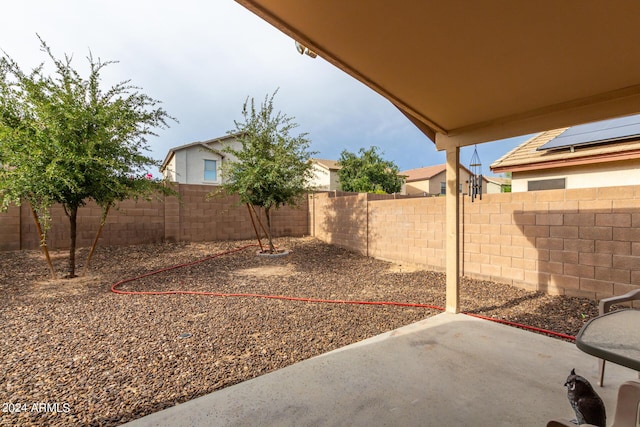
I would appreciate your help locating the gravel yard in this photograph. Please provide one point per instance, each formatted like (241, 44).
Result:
(105, 358)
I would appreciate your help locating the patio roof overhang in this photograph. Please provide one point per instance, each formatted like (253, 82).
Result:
(471, 72)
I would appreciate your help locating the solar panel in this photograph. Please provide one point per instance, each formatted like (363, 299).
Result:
(596, 133)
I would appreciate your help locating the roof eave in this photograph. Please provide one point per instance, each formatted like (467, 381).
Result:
(460, 128)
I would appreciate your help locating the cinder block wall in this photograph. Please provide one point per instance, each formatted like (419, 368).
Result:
(340, 221)
(581, 242)
(10, 229)
(128, 223)
(194, 218)
(408, 230)
(223, 218)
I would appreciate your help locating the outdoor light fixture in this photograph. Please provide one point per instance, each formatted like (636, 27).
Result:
(303, 49)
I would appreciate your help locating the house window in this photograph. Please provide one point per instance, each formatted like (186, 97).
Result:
(210, 172)
(443, 188)
(546, 184)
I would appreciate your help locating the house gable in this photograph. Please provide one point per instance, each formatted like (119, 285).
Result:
(199, 162)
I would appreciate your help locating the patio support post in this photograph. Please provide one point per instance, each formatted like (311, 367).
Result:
(452, 213)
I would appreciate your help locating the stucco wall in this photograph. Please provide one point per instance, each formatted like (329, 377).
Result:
(418, 187)
(324, 179)
(491, 187)
(334, 179)
(582, 242)
(187, 164)
(584, 176)
(170, 171)
(321, 179)
(432, 186)
(194, 165)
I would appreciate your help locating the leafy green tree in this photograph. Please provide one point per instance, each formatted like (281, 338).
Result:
(507, 187)
(272, 167)
(368, 172)
(64, 140)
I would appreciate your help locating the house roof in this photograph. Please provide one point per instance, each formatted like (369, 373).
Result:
(472, 72)
(427, 172)
(526, 156)
(617, 129)
(328, 164)
(498, 180)
(204, 144)
(421, 174)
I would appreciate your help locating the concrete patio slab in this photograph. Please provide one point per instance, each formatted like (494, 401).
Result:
(447, 370)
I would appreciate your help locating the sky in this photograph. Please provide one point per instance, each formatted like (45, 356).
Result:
(203, 59)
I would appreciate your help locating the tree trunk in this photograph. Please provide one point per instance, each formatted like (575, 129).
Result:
(267, 231)
(254, 227)
(43, 242)
(267, 213)
(72, 213)
(103, 219)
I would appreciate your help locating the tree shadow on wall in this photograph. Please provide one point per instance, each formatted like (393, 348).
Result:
(341, 219)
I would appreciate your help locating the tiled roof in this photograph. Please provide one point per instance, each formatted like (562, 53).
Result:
(498, 180)
(329, 164)
(420, 174)
(428, 172)
(526, 157)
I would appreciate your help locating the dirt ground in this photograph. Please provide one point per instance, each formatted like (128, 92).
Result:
(100, 358)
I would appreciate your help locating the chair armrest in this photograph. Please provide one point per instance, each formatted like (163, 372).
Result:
(606, 303)
(563, 422)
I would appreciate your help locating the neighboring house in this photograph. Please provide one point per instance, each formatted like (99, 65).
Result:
(325, 174)
(599, 154)
(496, 184)
(199, 162)
(431, 181)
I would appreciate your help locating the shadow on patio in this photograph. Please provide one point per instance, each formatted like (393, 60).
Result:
(447, 370)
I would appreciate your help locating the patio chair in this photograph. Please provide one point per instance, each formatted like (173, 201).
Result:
(627, 408)
(605, 307)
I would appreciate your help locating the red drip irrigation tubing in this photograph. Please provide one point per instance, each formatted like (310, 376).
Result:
(114, 289)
